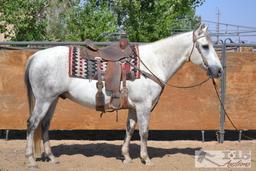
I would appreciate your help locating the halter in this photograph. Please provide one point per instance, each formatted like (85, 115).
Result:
(162, 83)
(195, 44)
(156, 79)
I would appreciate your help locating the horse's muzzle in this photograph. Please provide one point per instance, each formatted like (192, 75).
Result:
(215, 71)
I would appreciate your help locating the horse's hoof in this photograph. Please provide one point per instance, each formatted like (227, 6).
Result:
(54, 161)
(127, 161)
(149, 163)
(31, 163)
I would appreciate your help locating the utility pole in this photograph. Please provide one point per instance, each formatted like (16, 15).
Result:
(238, 34)
(218, 25)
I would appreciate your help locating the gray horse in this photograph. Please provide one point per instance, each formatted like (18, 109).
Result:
(47, 78)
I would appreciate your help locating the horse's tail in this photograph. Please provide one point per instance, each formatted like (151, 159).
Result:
(30, 94)
(31, 103)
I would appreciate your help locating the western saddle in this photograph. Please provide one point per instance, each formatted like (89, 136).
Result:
(115, 55)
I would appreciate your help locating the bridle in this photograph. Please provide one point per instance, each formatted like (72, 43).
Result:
(156, 79)
(195, 44)
(160, 82)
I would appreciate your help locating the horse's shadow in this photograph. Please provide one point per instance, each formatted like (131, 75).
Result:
(111, 150)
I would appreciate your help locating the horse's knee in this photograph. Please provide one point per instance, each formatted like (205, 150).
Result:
(31, 124)
(129, 131)
(45, 126)
(45, 134)
(144, 134)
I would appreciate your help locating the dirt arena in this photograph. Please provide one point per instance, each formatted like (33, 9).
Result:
(106, 155)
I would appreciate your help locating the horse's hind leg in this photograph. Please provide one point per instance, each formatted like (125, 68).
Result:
(45, 134)
(39, 112)
(131, 123)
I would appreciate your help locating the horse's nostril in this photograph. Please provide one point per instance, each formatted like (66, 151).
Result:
(220, 72)
(215, 72)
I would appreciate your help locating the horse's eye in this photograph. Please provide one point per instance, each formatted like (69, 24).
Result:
(205, 47)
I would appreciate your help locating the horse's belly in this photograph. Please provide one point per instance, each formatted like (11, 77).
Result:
(83, 92)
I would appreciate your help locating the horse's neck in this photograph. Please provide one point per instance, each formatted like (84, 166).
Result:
(166, 56)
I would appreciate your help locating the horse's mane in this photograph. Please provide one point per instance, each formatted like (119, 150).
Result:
(170, 37)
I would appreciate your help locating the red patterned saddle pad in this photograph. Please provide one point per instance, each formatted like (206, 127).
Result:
(80, 67)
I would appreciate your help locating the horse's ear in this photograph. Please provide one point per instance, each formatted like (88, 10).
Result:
(198, 31)
(202, 28)
(205, 28)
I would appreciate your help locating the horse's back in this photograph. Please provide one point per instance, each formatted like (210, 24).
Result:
(51, 56)
(51, 52)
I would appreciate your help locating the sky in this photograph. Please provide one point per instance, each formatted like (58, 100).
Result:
(236, 12)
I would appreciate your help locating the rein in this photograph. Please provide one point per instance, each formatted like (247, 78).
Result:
(153, 77)
(162, 83)
(156, 79)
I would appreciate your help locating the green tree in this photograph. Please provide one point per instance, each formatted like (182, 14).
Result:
(77, 20)
(90, 19)
(54, 19)
(150, 20)
(25, 18)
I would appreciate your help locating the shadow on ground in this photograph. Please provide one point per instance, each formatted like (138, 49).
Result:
(111, 150)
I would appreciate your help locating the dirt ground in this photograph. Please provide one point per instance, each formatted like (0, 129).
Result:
(106, 155)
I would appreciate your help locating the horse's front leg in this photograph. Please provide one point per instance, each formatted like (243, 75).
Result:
(131, 123)
(143, 116)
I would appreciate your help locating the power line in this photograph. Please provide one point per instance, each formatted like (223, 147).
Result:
(234, 32)
(233, 35)
(227, 24)
(221, 32)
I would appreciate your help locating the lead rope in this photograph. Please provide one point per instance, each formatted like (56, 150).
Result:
(162, 82)
(226, 114)
(192, 86)
(215, 87)
(154, 78)
(175, 86)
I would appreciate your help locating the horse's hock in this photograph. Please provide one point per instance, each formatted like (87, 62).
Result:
(178, 109)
